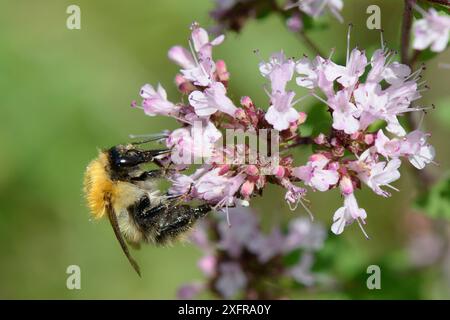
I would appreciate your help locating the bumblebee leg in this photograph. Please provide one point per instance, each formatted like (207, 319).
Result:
(151, 174)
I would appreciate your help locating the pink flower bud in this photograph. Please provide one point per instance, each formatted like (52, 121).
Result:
(246, 102)
(279, 172)
(252, 170)
(247, 189)
(346, 185)
(302, 118)
(224, 169)
(221, 69)
(320, 139)
(333, 166)
(240, 114)
(208, 265)
(355, 136)
(335, 142)
(317, 157)
(133, 104)
(369, 138)
(294, 23)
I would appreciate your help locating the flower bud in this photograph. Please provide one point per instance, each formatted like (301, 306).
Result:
(369, 138)
(294, 23)
(221, 69)
(333, 166)
(252, 170)
(279, 172)
(302, 118)
(246, 102)
(317, 157)
(346, 185)
(247, 189)
(224, 169)
(320, 139)
(240, 114)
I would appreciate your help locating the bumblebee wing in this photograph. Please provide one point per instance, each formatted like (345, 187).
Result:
(115, 225)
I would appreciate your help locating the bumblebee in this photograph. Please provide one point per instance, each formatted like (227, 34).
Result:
(116, 186)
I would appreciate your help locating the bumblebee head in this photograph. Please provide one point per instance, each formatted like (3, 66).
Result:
(123, 157)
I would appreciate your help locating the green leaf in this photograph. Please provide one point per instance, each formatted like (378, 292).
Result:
(292, 258)
(309, 23)
(318, 121)
(426, 55)
(436, 202)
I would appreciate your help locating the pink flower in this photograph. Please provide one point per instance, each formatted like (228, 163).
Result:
(193, 142)
(376, 174)
(211, 100)
(348, 75)
(385, 147)
(243, 232)
(433, 30)
(294, 194)
(315, 8)
(345, 113)
(372, 103)
(182, 57)
(294, 23)
(181, 184)
(231, 279)
(267, 247)
(190, 291)
(400, 98)
(199, 67)
(312, 75)
(219, 190)
(279, 70)
(301, 272)
(392, 72)
(304, 234)
(314, 174)
(155, 101)
(347, 214)
(207, 265)
(415, 147)
(281, 113)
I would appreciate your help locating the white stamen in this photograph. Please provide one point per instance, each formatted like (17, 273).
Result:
(300, 99)
(311, 216)
(348, 42)
(420, 10)
(392, 187)
(362, 229)
(194, 54)
(292, 5)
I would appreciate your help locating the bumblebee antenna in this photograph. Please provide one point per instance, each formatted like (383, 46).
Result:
(115, 225)
(147, 138)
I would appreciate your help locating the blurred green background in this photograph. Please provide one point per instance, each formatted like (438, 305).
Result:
(65, 93)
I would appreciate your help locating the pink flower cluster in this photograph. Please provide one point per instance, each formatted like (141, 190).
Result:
(360, 96)
(242, 259)
(316, 8)
(431, 31)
